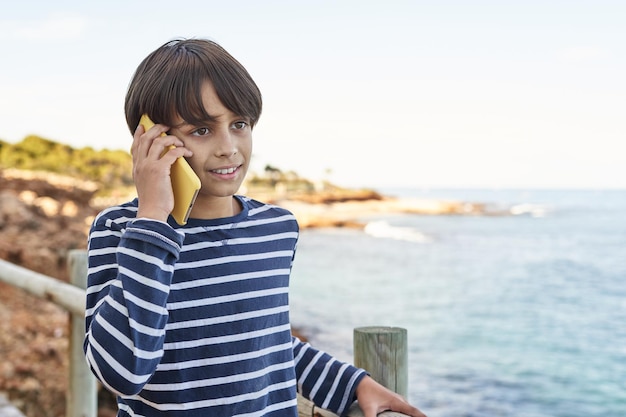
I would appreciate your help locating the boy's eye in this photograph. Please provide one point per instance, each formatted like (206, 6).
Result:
(202, 131)
(240, 125)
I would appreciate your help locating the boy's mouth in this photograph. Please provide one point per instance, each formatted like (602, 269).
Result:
(225, 171)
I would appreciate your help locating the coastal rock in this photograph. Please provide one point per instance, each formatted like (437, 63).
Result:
(42, 217)
(344, 212)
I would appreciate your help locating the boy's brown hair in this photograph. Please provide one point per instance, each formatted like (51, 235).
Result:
(168, 83)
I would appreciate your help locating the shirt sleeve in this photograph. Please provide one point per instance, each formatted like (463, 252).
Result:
(131, 265)
(328, 382)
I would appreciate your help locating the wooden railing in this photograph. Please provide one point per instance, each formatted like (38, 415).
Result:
(380, 350)
(81, 395)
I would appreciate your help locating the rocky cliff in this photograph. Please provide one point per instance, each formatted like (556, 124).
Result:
(42, 217)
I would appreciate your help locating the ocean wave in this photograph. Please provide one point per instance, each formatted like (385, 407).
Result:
(382, 229)
(533, 210)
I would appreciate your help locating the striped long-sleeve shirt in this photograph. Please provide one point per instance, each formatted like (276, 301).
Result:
(194, 320)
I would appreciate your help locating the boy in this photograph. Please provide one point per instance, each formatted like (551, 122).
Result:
(193, 320)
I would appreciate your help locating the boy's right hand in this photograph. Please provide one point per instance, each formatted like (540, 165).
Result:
(152, 162)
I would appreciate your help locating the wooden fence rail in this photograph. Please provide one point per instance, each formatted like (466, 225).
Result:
(82, 396)
(379, 350)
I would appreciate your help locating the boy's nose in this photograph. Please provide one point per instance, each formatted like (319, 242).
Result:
(227, 145)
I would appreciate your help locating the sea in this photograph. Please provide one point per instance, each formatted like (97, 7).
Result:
(521, 312)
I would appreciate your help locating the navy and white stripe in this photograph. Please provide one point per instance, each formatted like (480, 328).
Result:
(194, 320)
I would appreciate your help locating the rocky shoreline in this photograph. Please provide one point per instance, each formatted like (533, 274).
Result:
(352, 213)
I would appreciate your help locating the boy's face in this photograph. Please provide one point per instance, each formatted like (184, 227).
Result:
(221, 149)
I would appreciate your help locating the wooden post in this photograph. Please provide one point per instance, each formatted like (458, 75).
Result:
(382, 351)
(82, 395)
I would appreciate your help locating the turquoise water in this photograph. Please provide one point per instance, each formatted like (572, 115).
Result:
(520, 315)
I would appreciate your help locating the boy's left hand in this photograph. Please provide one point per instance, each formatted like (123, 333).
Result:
(374, 398)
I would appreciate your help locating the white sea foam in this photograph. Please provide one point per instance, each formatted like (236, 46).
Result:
(382, 229)
(533, 210)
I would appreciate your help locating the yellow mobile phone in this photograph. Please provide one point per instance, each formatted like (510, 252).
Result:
(185, 182)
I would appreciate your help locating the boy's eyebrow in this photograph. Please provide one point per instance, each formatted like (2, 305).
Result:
(212, 119)
(184, 123)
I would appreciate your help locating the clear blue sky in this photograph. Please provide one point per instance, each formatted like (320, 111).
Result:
(368, 93)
